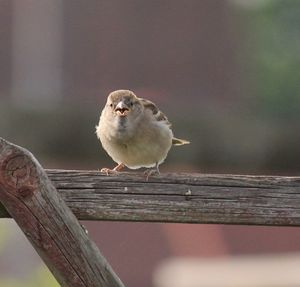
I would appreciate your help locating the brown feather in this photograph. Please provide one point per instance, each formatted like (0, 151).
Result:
(159, 115)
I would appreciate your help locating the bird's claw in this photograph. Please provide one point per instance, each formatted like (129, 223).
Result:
(150, 172)
(108, 171)
(115, 170)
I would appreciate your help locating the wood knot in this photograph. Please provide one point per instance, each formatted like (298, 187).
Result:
(19, 173)
(25, 191)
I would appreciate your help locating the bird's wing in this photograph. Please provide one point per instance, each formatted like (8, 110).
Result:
(157, 114)
(161, 117)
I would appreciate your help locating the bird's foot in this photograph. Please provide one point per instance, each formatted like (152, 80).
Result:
(115, 170)
(108, 171)
(151, 171)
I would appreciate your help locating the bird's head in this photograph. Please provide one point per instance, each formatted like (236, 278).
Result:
(124, 104)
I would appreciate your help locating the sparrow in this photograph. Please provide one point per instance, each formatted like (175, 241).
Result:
(135, 133)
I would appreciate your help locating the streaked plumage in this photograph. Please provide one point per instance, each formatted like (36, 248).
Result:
(134, 132)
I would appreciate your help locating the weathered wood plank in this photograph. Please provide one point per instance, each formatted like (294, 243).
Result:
(184, 198)
(39, 210)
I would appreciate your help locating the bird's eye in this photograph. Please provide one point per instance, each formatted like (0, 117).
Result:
(111, 105)
(131, 104)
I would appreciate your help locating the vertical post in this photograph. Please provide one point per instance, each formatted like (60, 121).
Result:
(55, 233)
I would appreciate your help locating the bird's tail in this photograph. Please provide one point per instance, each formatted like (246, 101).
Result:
(176, 141)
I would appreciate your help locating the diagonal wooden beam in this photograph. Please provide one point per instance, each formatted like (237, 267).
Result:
(32, 200)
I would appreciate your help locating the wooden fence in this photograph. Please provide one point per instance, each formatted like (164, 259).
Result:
(47, 203)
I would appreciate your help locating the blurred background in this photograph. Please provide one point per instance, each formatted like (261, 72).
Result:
(226, 72)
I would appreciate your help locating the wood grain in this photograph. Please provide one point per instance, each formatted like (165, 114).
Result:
(183, 198)
(34, 203)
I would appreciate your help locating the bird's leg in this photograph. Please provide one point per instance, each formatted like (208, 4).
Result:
(152, 171)
(116, 169)
(119, 167)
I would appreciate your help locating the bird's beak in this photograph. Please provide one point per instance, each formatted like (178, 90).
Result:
(121, 109)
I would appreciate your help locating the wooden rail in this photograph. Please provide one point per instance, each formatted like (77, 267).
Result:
(183, 198)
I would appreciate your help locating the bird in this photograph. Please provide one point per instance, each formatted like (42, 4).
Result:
(135, 133)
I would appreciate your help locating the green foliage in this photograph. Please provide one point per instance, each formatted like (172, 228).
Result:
(4, 234)
(39, 277)
(274, 61)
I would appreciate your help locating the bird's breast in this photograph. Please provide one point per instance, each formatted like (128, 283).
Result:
(121, 123)
(120, 131)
